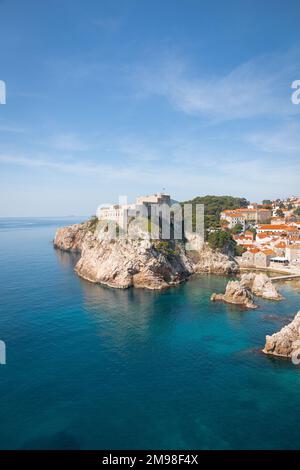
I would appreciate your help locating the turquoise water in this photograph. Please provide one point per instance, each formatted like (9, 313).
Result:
(92, 368)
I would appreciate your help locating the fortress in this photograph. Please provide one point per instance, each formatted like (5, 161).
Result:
(118, 212)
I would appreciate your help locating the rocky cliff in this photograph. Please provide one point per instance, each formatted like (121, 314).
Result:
(124, 262)
(135, 261)
(236, 294)
(286, 342)
(208, 261)
(242, 292)
(72, 238)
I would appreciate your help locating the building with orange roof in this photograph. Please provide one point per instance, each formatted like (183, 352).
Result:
(246, 215)
(278, 228)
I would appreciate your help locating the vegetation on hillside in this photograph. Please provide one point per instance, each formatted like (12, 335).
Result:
(217, 236)
(238, 228)
(92, 223)
(214, 205)
(297, 211)
(222, 240)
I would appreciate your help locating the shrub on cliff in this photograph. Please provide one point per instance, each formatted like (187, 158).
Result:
(222, 241)
(93, 222)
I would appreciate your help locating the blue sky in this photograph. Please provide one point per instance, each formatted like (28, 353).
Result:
(109, 98)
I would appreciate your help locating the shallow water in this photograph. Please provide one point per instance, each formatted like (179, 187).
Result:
(92, 367)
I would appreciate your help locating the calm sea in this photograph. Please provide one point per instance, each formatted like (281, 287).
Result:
(90, 367)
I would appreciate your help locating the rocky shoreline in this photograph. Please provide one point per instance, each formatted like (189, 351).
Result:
(143, 263)
(242, 292)
(286, 342)
(139, 262)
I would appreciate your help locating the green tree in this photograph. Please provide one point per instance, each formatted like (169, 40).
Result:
(214, 205)
(93, 222)
(297, 211)
(239, 250)
(238, 228)
(253, 230)
(279, 213)
(222, 241)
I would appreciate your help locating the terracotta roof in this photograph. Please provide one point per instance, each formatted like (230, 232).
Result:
(271, 228)
(268, 252)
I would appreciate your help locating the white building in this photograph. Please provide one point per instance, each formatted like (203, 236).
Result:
(233, 218)
(158, 198)
(119, 212)
(115, 212)
(292, 252)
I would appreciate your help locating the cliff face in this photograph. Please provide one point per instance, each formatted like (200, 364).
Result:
(286, 342)
(208, 261)
(71, 238)
(124, 262)
(139, 262)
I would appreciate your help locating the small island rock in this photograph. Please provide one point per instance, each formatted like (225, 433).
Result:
(236, 294)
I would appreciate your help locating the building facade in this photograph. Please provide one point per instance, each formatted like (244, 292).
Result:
(121, 212)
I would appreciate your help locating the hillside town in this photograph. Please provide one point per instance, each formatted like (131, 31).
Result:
(268, 233)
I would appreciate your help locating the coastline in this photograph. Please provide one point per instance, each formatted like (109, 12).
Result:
(270, 270)
(98, 344)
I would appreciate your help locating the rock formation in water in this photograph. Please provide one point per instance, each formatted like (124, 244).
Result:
(236, 294)
(242, 292)
(286, 342)
(135, 261)
(261, 285)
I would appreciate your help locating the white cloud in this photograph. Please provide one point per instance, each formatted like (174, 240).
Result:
(284, 139)
(68, 142)
(259, 87)
(254, 178)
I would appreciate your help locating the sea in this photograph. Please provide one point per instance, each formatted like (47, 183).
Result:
(90, 367)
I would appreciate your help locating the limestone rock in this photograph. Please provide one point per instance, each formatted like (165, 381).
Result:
(242, 292)
(71, 238)
(237, 294)
(209, 261)
(136, 260)
(286, 342)
(261, 285)
(124, 262)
